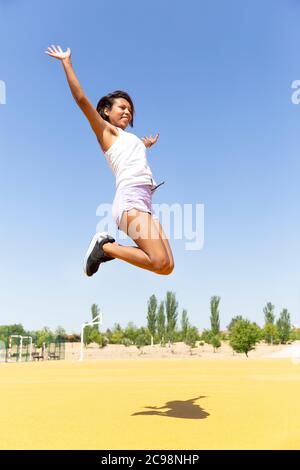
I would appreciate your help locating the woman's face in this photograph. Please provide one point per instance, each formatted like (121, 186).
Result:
(120, 114)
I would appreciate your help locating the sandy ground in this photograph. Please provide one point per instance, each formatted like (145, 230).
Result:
(146, 403)
(180, 350)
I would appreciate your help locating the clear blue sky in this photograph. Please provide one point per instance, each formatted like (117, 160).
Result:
(214, 78)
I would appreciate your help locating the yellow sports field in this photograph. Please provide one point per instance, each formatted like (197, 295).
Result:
(151, 404)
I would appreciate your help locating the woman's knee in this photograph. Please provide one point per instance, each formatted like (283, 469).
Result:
(160, 264)
(169, 269)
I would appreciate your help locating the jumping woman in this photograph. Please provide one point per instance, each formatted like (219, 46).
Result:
(126, 155)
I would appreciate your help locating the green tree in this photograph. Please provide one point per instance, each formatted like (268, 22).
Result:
(184, 325)
(243, 336)
(233, 321)
(191, 337)
(294, 334)
(207, 336)
(117, 334)
(130, 332)
(96, 337)
(151, 316)
(269, 313)
(141, 341)
(214, 315)
(270, 333)
(161, 323)
(8, 330)
(44, 335)
(95, 312)
(215, 342)
(284, 327)
(171, 310)
(87, 331)
(142, 338)
(61, 333)
(269, 330)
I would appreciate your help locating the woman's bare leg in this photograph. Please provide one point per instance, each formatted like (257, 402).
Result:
(150, 253)
(165, 240)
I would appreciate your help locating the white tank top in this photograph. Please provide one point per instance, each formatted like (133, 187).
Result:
(128, 161)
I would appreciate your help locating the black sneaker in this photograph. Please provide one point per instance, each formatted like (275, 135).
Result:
(95, 254)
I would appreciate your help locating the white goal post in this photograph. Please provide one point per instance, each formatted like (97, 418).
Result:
(21, 345)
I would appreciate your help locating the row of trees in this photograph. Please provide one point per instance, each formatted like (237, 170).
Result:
(243, 334)
(162, 328)
(162, 322)
(44, 335)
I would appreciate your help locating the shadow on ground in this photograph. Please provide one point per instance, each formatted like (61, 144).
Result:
(186, 409)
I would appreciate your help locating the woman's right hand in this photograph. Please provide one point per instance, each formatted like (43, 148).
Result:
(58, 53)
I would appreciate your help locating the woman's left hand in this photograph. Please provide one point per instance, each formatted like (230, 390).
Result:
(58, 53)
(149, 141)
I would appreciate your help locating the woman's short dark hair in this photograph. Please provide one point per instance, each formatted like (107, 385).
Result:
(108, 100)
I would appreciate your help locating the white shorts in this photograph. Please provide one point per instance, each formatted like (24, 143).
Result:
(133, 197)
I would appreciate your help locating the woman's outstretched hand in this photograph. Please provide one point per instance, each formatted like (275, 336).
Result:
(58, 53)
(149, 141)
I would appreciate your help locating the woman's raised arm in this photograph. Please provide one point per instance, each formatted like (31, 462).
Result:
(97, 123)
